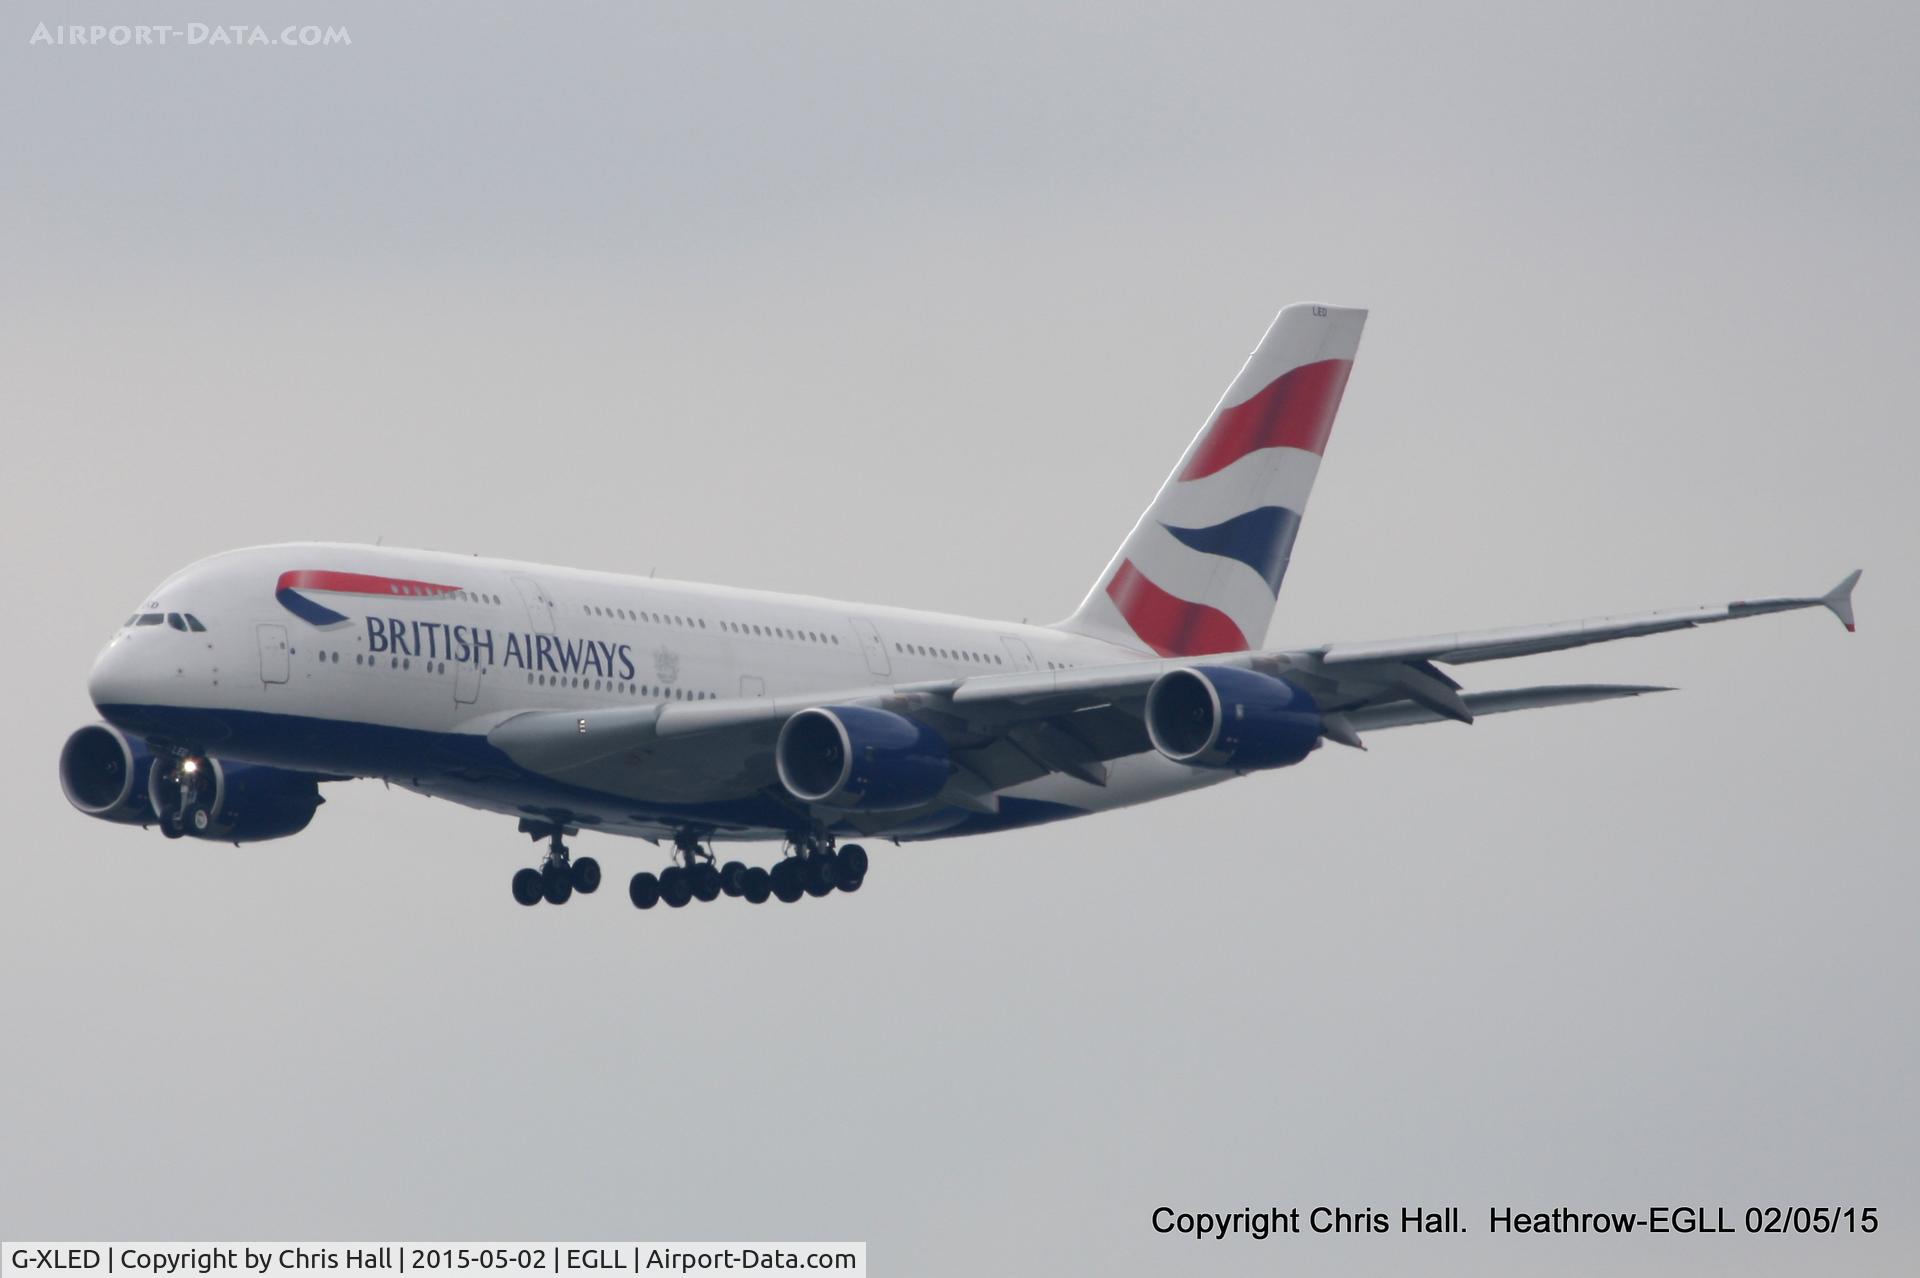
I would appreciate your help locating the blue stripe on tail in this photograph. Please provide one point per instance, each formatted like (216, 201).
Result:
(1261, 539)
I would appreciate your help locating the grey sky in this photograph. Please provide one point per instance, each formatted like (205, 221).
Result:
(920, 307)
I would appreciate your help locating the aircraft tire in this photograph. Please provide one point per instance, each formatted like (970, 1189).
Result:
(731, 875)
(705, 881)
(644, 891)
(528, 887)
(556, 883)
(755, 886)
(853, 857)
(786, 881)
(821, 870)
(674, 888)
(848, 881)
(586, 875)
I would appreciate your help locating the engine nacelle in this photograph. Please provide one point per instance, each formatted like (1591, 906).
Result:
(232, 802)
(1222, 717)
(103, 772)
(859, 759)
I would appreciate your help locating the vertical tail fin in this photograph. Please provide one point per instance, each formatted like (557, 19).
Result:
(1201, 570)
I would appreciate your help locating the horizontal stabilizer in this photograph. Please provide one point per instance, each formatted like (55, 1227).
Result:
(1399, 714)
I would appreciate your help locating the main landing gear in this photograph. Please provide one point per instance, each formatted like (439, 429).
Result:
(559, 876)
(812, 868)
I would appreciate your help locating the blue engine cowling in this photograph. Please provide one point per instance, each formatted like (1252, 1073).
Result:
(1221, 717)
(232, 802)
(103, 772)
(859, 759)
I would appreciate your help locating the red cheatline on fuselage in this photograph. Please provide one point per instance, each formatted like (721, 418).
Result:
(357, 583)
(287, 591)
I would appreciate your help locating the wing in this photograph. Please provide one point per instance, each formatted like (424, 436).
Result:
(1005, 729)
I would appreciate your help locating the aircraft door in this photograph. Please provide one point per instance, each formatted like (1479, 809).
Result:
(1018, 650)
(273, 653)
(752, 686)
(871, 645)
(539, 603)
(466, 683)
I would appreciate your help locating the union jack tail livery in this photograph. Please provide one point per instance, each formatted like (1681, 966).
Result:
(1201, 570)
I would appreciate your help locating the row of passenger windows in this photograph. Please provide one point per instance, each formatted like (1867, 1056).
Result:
(178, 620)
(433, 592)
(329, 656)
(949, 654)
(699, 623)
(586, 684)
(657, 618)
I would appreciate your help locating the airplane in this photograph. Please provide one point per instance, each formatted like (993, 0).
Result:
(695, 716)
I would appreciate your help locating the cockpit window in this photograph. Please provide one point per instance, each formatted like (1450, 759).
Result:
(149, 619)
(193, 624)
(175, 620)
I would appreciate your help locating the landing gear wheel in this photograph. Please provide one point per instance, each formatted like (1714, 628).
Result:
(556, 883)
(705, 881)
(786, 881)
(586, 876)
(198, 819)
(756, 886)
(821, 873)
(731, 875)
(528, 887)
(674, 888)
(853, 858)
(644, 891)
(845, 879)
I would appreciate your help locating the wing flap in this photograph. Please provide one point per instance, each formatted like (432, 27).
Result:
(1399, 714)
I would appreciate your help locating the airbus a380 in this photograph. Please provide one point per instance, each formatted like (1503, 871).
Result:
(694, 715)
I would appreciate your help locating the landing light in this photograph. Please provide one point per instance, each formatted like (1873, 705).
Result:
(190, 767)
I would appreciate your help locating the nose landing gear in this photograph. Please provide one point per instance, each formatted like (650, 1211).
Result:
(560, 875)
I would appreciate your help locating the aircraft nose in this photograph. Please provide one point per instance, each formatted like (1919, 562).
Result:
(113, 680)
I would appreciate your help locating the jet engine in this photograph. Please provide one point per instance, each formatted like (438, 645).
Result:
(859, 759)
(1222, 717)
(231, 802)
(103, 772)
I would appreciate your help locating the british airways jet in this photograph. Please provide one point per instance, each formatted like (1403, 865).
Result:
(693, 716)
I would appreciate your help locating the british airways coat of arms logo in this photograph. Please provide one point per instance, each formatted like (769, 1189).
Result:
(666, 664)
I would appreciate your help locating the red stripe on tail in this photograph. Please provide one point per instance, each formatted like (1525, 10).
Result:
(1168, 624)
(1294, 411)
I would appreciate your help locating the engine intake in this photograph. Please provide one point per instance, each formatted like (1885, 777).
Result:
(1223, 717)
(859, 759)
(103, 773)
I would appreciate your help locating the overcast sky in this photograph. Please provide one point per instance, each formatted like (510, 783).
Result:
(919, 307)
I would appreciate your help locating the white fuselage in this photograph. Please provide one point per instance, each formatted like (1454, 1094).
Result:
(365, 661)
